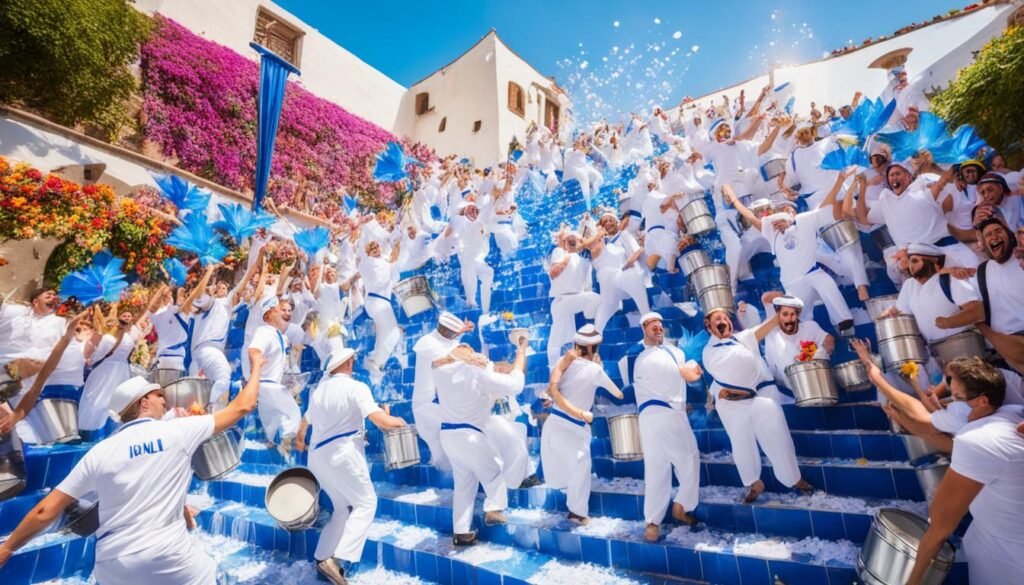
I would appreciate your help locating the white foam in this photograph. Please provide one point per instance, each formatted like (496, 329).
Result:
(559, 573)
(427, 496)
(485, 552)
(259, 479)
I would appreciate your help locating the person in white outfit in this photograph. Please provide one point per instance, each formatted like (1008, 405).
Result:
(568, 272)
(209, 337)
(278, 411)
(337, 457)
(140, 475)
(579, 168)
(425, 409)
(467, 386)
(377, 275)
(173, 332)
(473, 244)
(659, 379)
(565, 440)
(615, 255)
(784, 345)
(750, 419)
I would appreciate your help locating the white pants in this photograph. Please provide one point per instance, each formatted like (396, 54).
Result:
(509, 440)
(563, 320)
(385, 329)
(664, 244)
(669, 445)
(616, 286)
(991, 559)
(475, 462)
(212, 362)
(278, 411)
(565, 456)
(428, 427)
(752, 243)
(473, 269)
(759, 421)
(184, 564)
(340, 467)
(590, 179)
(817, 283)
(506, 238)
(852, 261)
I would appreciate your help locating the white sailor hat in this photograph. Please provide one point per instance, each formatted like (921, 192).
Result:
(203, 302)
(607, 211)
(268, 303)
(587, 335)
(648, 317)
(718, 122)
(450, 321)
(788, 301)
(338, 357)
(783, 202)
(762, 202)
(127, 392)
(922, 249)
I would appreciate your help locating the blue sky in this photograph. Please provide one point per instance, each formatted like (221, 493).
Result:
(696, 47)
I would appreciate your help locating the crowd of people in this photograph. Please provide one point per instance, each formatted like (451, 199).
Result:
(952, 238)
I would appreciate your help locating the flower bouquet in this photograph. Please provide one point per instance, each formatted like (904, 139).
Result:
(280, 253)
(807, 351)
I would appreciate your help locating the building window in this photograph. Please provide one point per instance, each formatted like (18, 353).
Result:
(516, 99)
(443, 124)
(422, 103)
(477, 125)
(284, 39)
(551, 115)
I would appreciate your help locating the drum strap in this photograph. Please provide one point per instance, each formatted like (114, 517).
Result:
(654, 228)
(751, 393)
(946, 241)
(574, 421)
(649, 403)
(381, 297)
(456, 426)
(634, 213)
(334, 438)
(983, 286)
(944, 284)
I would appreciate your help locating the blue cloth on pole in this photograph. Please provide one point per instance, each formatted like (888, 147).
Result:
(273, 74)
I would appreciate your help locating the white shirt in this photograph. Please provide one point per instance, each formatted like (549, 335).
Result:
(338, 405)
(141, 475)
(805, 168)
(656, 376)
(914, 216)
(274, 348)
(782, 349)
(212, 326)
(376, 273)
(428, 348)
(466, 393)
(30, 335)
(1005, 284)
(169, 331)
(302, 303)
(991, 452)
(735, 361)
(796, 247)
(656, 217)
(573, 277)
(927, 301)
(332, 307)
(472, 236)
(580, 382)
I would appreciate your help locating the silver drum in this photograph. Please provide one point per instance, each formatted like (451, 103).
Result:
(967, 343)
(415, 295)
(930, 476)
(693, 260)
(916, 447)
(165, 376)
(773, 168)
(878, 305)
(841, 234)
(896, 326)
(900, 350)
(812, 383)
(401, 449)
(709, 276)
(218, 456)
(188, 391)
(697, 216)
(882, 238)
(890, 550)
(624, 431)
(293, 499)
(55, 420)
(716, 297)
(852, 376)
(12, 466)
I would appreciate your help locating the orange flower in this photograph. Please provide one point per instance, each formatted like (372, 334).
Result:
(909, 370)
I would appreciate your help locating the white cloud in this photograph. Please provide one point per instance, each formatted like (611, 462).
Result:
(677, 35)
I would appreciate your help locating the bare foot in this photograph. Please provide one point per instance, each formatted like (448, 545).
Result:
(756, 489)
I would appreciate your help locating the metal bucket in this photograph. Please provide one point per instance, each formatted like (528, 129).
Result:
(967, 343)
(841, 234)
(773, 168)
(896, 326)
(812, 383)
(890, 550)
(716, 297)
(693, 260)
(624, 430)
(878, 305)
(165, 376)
(293, 499)
(930, 476)
(12, 466)
(708, 276)
(9, 390)
(218, 455)
(82, 517)
(401, 449)
(916, 447)
(697, 216)
(295, 382)
(55, 420)
(188, 391)
(853, 375)
(882, 237)
(899, 342)
(415, 295)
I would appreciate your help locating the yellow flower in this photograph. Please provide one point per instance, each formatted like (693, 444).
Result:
(909, 370)
(507, 315)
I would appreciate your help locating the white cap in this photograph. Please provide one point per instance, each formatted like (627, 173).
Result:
(267, 304)
(921, 249)
(128, 392)
(762, 202)
(649, 317)
(587, 335)
(450, 321)
(203, 302)
(338, 357)
(788, 301)
(608, 212)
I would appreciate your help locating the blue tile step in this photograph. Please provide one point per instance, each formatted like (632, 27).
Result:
(49, 556)
(46, 466)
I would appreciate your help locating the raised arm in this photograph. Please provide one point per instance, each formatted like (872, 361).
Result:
(762, 330)
(730, 196)
(830, 198)
(862, 203)
(186, 307)
(245, 402)
(749, 133)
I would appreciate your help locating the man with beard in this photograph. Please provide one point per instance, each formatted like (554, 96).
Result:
(750, 419)
(784, 344)
(29, 332)
(913, 213)
(660, 377)
(279, 414)
(568, 272)
(994, 193)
